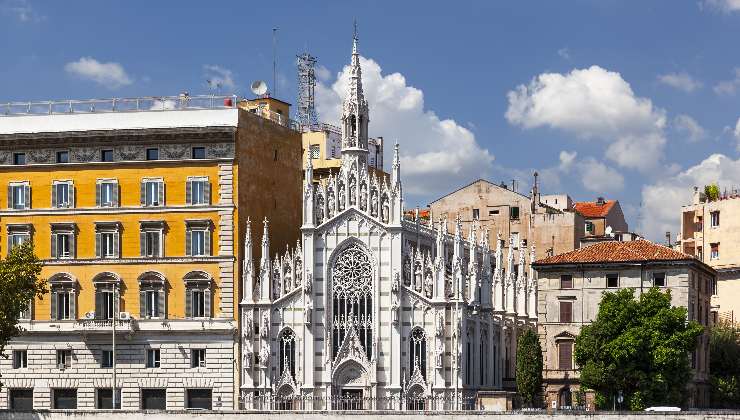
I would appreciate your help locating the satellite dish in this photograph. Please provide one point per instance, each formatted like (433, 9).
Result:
(259, 87)
(609, 231)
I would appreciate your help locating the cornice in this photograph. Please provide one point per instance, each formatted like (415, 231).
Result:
(136, 260)
(107, 211)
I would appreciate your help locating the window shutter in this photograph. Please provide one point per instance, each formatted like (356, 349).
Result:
(142, 243)
(53, 305)
(207, 191)
(566, 312)
(73, 245)
(189, 191)
(116, 243)
(53, 245)
(188, 303)
(160, 191)
(207, 302)
(54, 202)
(142, 193)
(71, 195)
(116, 194)
(565, 354)
(142, 304)
(99, 305)
(162, 303)
(207, 240)
(10, 243)
(27, 195)
(155, 244)
(72, 304)
(188, 241)
(10, 196)
(97, 194)
(98, 246)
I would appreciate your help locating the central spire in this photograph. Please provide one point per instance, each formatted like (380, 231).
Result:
(355, 114)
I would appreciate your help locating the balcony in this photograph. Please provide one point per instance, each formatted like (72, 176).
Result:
(102, 325)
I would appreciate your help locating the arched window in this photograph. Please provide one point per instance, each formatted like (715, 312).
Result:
(352, 302)
(418, 351)
(286, 342)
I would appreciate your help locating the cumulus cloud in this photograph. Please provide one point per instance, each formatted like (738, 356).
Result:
(219, 77)
(687, 125)
(564, 53)
(737, 133)
(566, 160)
(598, 177)
(682, 81)
(728, 87)
(110, 75)
(436, 154)
(725, 6)
(662, 201)
(593, 104)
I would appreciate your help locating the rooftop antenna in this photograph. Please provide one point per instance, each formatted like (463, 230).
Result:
(259, 87)
(274, 60)
(306, 87)
(214, 86)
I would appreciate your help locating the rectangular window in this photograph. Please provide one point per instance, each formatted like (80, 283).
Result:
(514, 213)
(21, 399)
(198, 191)
(19, 196)
(476, 214)
(714, 255)
(152, 358)
(106, 155)
(154, 399)
(18, 239)
(19, 158)
(151, 303)
(26, 312)
(714, 219)
(104, 400)
(63, 156)
(64, 305)
(108, 194)
(199, 153)
(20, 359)
(315, 151)
(612, 280)
(62, 195)
(153, 193)
(63, 245)
(659, 279)
(198, 243)
(199, 303)
(107, 304)
(106, 359)
(107, 244)
(197, 358)
(589, 228)
(64, 398)
(566, 312)
(64, 359)
(198, 399)
(492, 212)
(566, 281)
(152, 154)
(565, 355)
(151, 243)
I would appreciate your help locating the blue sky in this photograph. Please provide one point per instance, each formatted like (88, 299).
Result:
(631, 100)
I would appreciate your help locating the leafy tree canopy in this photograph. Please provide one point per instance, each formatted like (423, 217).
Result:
(640, 346)
(19, 285)
(724, 366)
(711, 192)
(528, 367)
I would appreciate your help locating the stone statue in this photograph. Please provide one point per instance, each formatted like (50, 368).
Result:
(341, 197)
(363, 197)
(332, 206)
(309, 282)
(265, 327)
(374, 203)
(440, 353)
(429, 285)
(386, 211)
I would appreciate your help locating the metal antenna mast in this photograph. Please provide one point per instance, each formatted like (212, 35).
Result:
(306, 86)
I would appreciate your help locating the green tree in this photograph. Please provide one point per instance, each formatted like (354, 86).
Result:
(529, 367)
(19, 285)
(724, 366)
(639, 346)
(711, 192)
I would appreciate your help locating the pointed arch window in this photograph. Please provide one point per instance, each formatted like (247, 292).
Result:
(352, 302)
(286, 353)
(418, 351)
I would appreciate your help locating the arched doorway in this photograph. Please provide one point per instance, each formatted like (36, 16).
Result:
(351, 386)
(565, 399)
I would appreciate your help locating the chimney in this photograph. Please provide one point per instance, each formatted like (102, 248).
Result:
(600, 201)
(668, 239)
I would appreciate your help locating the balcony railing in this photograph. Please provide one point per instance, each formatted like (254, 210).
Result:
(91, 106)
(102, 325)
(359, 403)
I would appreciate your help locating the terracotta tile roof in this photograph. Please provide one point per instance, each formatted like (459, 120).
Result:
(616, 251)
(593, 209)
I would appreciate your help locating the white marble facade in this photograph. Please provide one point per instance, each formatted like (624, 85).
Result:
(371, 306)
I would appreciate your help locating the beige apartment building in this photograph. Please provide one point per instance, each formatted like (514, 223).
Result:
(710, 231)
(570, 288)
(324, 144)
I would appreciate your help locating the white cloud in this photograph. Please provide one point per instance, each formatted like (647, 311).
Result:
(728, 87)
(598, 177)
(685, 124)
(111, 75)
(219, 77)
(662, 201)
(567, 159)
(737, 133)
(437, 154)
(322, 73)
(21, 10)
(564, 53)
(682, 81)
(593, 104)
(726, 6)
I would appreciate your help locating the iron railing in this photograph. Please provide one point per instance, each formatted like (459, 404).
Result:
(357, 403)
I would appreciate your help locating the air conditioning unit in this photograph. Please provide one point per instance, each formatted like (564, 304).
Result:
(90, 315)
(124, 316)
(202, 363)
